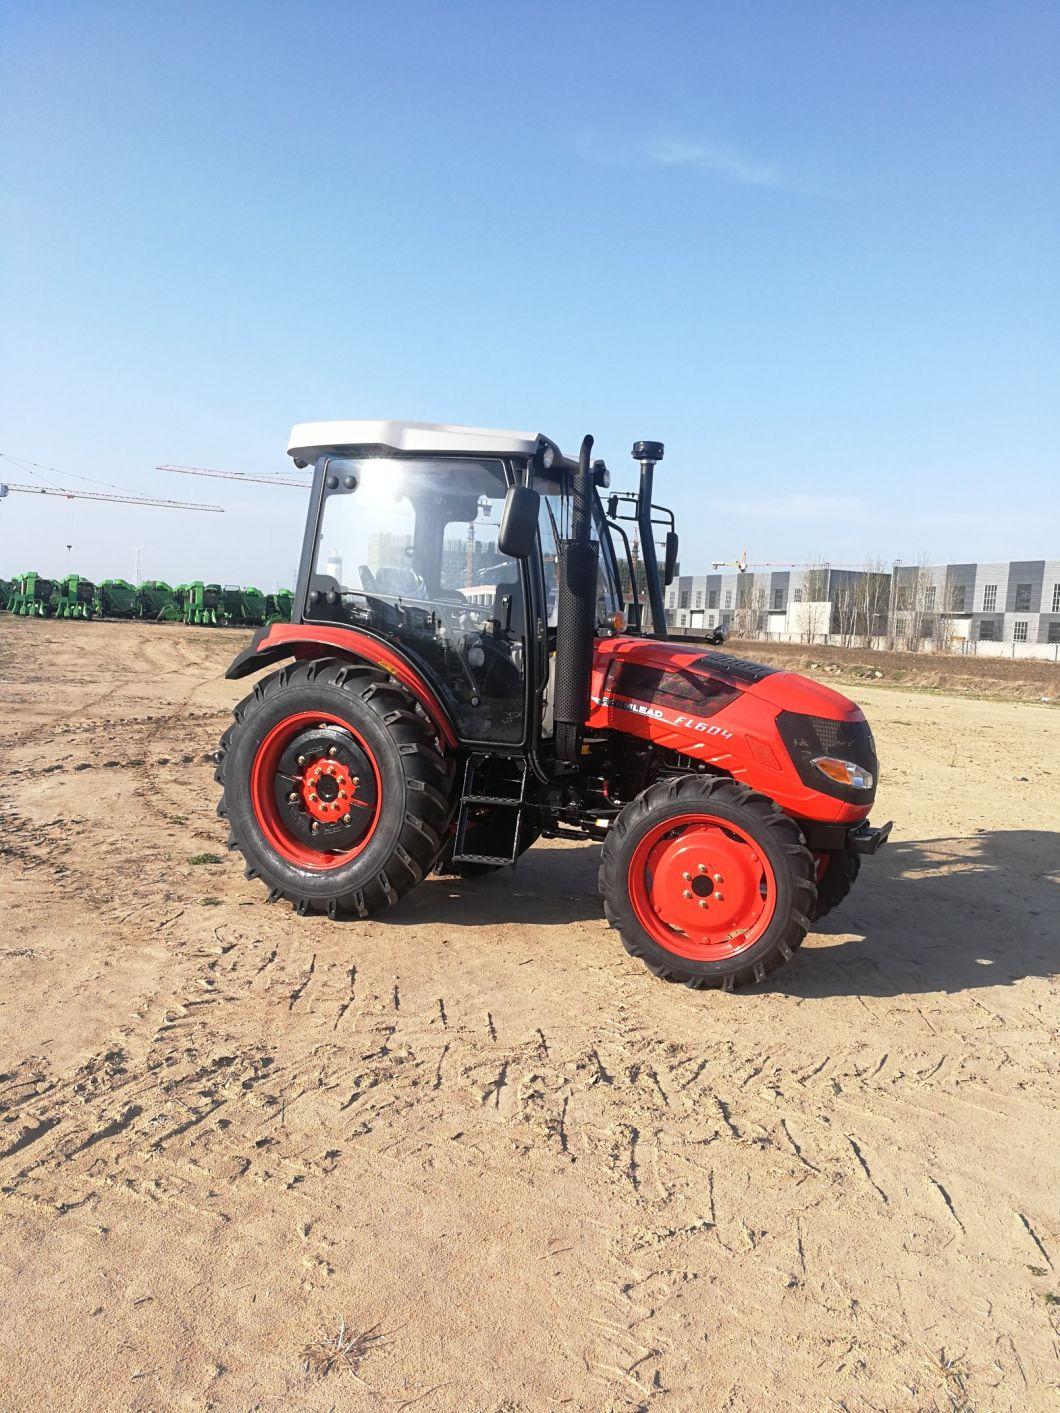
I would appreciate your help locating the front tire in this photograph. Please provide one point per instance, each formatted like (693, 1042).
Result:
(707, 882)
(334, 787)
(837, 872)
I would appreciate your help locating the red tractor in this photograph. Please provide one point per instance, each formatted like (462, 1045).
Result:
(461, 677)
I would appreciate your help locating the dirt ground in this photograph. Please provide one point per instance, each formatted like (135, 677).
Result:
(516, 1171)
(1011, 679)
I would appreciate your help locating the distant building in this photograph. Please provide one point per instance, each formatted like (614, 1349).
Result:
(1017, 602)
(937, 606)
(799, 603)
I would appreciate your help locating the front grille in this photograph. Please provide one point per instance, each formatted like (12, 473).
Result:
(808, 736)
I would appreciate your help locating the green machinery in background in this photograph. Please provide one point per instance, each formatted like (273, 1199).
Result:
(31, 596)
(116, 598)
(74, 597)
(201, 603)
(245, 605)
(154, 601)
(157, 602)
(278, 606)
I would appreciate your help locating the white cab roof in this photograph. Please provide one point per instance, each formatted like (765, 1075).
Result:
(310, 439)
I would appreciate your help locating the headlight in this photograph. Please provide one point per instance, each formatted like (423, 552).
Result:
(845, 772)
(548, 456)
(836, 758)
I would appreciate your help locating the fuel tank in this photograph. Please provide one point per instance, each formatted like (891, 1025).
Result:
(761, 725)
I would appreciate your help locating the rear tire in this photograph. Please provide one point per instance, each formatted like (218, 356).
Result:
(660, 860)
(389, 843)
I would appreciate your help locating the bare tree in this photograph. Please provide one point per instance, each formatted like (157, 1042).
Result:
(914, 604)
(846, 608)
(749, 617)
(942, 627)
(874, 600)
(816, 610)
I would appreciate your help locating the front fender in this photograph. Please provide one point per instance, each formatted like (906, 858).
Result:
(278, 641)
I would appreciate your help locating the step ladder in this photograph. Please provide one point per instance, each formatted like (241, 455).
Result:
(473, 800)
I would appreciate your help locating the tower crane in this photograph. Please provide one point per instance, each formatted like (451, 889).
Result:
(6, 486)
(110, 493)
(743, 564)
(236, 476)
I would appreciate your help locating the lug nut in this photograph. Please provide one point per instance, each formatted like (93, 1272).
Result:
(718, 878)
(702, 902)
(313, 798)
(687, 893)
(718, 898)
(345, 819)
(702, 868)
(686, 876)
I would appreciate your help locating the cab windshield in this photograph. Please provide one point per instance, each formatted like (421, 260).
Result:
(407, 547)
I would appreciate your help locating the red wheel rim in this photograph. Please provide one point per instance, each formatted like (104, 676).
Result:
(702, 887)
(263, 781)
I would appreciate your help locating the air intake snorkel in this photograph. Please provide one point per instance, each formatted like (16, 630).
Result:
(576, 614)
(648, 453)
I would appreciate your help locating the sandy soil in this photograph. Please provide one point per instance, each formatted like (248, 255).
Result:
(1010, 679)
(480, 1135)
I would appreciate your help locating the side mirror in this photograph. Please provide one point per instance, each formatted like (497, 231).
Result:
(670, 566)
(612, 507)
(519, 522)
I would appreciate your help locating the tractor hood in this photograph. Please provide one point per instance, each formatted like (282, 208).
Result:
(695, 672)
(753, 722)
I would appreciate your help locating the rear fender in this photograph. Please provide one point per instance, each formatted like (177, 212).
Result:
(278, 641)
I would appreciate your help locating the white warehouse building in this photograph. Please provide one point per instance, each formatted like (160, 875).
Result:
(948, 606)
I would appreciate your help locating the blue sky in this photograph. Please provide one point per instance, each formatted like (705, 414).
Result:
(814, 248)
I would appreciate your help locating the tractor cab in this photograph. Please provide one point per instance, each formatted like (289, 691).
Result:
(453, 556)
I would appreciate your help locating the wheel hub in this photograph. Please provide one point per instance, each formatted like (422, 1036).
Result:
(329, 791)
(702, 888)
(325, 788)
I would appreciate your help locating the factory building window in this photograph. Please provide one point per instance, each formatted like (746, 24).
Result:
(1056, 598)
(712, 598)
(699, 599)
(1023, 598)
(1019, 631)
(929, 596)
(728, 598)
(684, 600)
(798, 596)
(778, 599)
(989, 598)
(957, 598)
(1054, 632)
(988, 631)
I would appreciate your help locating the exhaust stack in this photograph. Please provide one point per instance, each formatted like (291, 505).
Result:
(648, 454)
(576, 627)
